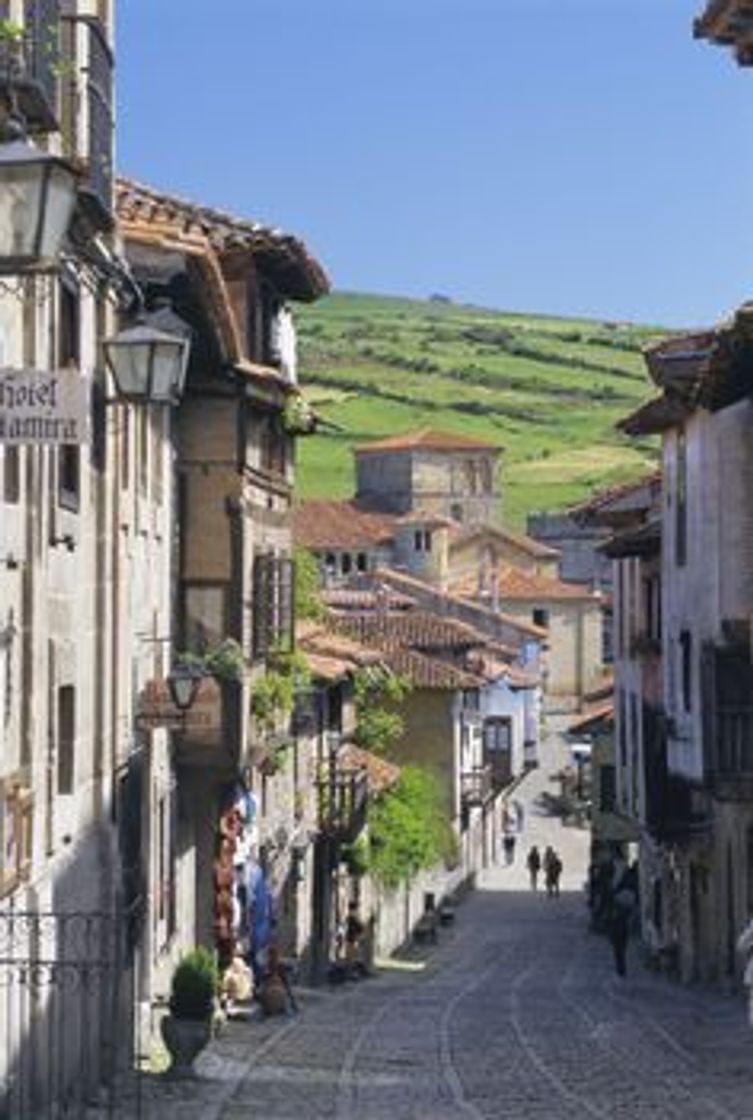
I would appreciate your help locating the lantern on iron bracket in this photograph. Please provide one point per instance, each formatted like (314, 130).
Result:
(37, 198)
(149, 360)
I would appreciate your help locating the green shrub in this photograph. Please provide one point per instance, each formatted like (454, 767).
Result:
(194, 985)
(409, 828)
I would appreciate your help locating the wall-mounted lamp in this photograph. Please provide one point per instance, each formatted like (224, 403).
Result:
(149, 360)
(183, 683)
(37, 198)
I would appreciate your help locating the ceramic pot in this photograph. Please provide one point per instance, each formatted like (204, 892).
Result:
(185, 1039)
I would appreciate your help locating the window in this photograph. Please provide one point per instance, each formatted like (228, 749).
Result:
(66, 738)
(686, 672)
(681, 511)
(272, 445)
(498, 734)
(362, 562)
(272, 607)
(540, 617)
(456, 511)
(11, 476)
(346, 563)
(418, 540)
(427, 541)
(68, 357)
(471, 699)
(69, 477)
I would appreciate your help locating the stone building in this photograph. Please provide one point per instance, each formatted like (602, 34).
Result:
(421, 512)
(698, 763)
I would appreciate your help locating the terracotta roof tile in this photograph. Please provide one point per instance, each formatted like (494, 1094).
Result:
(515, 584)
(588, 719)
(427, 439)
(416, 629)
(323, 524)
(382, 775)
(408, 583)
(429, 672)
(365, 599)
(332, 654)
(464, 533)
(298, 273)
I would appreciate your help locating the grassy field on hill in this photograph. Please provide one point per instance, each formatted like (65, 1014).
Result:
(547, 390)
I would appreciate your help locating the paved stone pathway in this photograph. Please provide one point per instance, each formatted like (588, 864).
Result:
(517, 1014)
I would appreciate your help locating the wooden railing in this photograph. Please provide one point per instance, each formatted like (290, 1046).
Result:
(343, 799)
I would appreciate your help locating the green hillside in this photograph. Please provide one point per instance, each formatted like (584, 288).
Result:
(547, 390)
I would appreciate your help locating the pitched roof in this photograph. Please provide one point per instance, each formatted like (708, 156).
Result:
(429, 672)
(365, 599)
(515, 584)
(462, 534)
(587, 721)
(284, 257)
(411, 583)
(330, 654)
(614, 494)
(655, 416)
(382, 775)
(427, 439)
(417, 629)
(325, 523)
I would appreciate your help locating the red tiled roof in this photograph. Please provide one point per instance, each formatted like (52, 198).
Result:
(382, 774)
(429, 672)
(517, 584)
(365, 599)
(417, 629)
(406, 582)
(297, 272)
(464, 533)
(427, 439)
(586, 720)
(323, 523)
(331, 654)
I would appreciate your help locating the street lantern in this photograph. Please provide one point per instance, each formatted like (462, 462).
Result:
(183, 683)
(37, 198)
(149, 360)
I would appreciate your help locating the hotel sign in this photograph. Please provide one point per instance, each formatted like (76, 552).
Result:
(43, 406)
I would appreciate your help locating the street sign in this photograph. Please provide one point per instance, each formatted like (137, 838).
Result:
(44, 407)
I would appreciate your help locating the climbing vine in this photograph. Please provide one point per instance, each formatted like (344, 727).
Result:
(409, 829)
(377, 691)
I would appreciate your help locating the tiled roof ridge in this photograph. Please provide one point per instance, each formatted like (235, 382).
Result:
(510, 620)
(429, 439)
(232, 231)
(523, 540)
(612, 493)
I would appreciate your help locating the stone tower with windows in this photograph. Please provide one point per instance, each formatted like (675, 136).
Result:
(441, 473)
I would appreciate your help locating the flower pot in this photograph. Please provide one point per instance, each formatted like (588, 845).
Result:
(185, 1039)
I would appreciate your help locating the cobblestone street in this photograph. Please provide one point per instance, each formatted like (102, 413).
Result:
(517, 1013)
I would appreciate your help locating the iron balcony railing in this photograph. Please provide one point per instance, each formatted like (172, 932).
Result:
(476, 785)
(88, 137)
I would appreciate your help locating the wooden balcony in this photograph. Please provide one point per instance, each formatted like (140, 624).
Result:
(476, 786)
(343, 800)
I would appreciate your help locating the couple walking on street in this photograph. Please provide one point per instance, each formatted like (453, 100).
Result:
(552, 865)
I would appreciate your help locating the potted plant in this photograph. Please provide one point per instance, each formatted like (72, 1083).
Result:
(188, 1027)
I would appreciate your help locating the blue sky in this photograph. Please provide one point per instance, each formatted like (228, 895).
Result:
(563, 156)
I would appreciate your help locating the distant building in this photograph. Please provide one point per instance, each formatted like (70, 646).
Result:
(427, 506)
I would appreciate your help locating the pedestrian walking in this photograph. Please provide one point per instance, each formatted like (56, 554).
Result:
(533, 863)
(549, 864)
(508, 843)
(556, 872)
(519, 814)
(623, 906)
